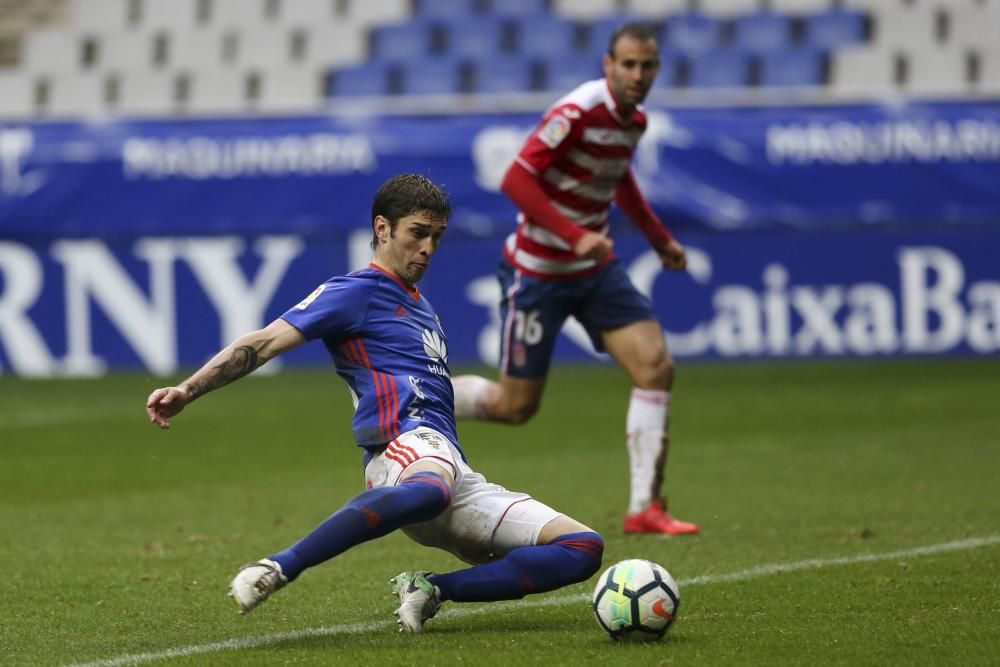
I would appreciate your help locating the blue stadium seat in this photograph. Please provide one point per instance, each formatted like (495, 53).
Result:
(401, 41)
(519, 9)
(503, 75)
(546, 37)
(835, 28)
(477, 37)
(436, 10)
(370, 78)
(600, 31)
(430, 76)
(691, 33)
(564, 74)
(792, 67)
(761, 32)
(719, 69)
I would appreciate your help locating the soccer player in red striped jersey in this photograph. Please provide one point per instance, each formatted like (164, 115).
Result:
(387, 344)
(561, 262)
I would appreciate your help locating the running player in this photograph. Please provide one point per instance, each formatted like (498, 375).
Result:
(388, 345)
(560, 262)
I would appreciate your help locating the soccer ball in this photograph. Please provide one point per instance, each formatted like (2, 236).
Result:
(636, 600)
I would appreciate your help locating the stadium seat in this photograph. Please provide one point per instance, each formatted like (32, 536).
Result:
(669, 74)
(216, 91)
(441, 10)
(401, 41)
(835, 28)
(132, 49)
(144, 93)
(75, 95)
(974, 27)
(313, 12)
(329, 44)
(370, 13)
(761, 32)
(863, 71)
(503, 75)
(988, 79)
(175, 14)
(239, 13)
(284, 90)
(264, 46)
(583, 9)
(792, 67)
(728, 8)
(208, 48)
(799, 7)
(719, 69)
(547, 37)
(104, 15)
(52, 50)
(519, 9)
(655, 9)
(430, 76)
(691, 33)
(371, 78)
(564, 74)
(17, 95)
(937, 72)
(910, 28)
(475, 37)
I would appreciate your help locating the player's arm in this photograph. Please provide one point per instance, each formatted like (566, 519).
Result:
(241, 357)
(523, 188)
(630, 200)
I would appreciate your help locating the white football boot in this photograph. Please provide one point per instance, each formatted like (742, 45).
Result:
(255, 582)
(419, 600)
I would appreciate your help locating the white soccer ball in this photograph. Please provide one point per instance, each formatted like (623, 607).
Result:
(636, 600)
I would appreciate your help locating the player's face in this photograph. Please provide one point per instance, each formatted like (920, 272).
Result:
(407, 249)
(631, 71)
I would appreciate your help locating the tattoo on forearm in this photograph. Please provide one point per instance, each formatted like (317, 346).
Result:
(242, 361)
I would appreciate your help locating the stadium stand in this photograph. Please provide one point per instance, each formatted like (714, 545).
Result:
(232, 56)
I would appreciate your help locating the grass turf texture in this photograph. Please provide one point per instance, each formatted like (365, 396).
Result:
(119, 539)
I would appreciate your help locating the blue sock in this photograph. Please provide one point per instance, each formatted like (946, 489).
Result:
(566, 560)
(373, 513)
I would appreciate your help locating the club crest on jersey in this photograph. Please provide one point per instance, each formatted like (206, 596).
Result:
(435, 348)
(554, 131)
(302, 305)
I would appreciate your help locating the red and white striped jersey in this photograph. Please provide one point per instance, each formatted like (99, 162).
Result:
(579, 154)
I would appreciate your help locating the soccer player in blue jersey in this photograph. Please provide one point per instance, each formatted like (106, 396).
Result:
(388, 345)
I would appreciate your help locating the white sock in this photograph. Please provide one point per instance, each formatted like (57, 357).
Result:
(646, 430)
(471, 393)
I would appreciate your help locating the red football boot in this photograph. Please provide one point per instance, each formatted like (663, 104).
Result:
(656, 519)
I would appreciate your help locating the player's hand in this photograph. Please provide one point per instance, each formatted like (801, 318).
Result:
(593, 246)
(164, 403)
(673, 257)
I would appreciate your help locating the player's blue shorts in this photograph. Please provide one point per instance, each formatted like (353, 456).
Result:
(532, 312)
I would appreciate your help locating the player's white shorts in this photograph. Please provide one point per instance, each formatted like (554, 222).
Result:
(484, 520)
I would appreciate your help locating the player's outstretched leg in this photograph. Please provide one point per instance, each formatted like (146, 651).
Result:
(371, 514)
(566, 560)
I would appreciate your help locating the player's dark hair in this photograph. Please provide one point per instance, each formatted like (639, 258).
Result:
(639, 31)
(408, 194)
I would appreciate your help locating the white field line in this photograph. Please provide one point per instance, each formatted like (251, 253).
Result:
(461, 612)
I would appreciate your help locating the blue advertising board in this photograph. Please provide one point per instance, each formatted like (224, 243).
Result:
(83, 306)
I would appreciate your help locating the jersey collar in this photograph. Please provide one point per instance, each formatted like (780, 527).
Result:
(415, 293)
(612, 104)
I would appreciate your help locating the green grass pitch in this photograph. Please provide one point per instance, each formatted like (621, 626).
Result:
(118, 541)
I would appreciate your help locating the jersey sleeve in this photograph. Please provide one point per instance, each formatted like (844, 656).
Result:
(337, 308)
(559, 130)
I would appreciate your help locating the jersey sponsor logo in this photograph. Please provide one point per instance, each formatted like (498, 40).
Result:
(434, 346)
(571, 113)
(302, 305)
(554, 131)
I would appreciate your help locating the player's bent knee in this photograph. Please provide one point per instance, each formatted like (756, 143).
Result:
(433, 491)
